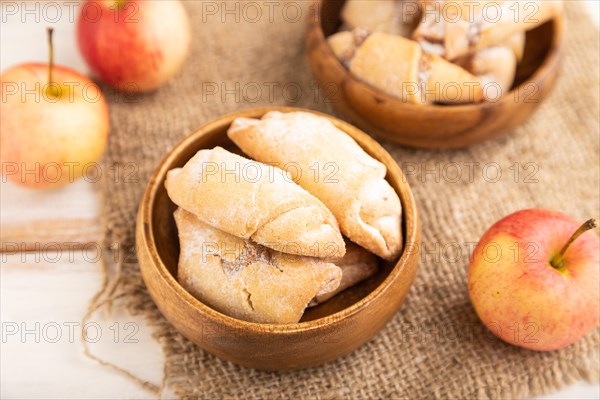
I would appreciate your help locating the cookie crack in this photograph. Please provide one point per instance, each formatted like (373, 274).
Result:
(251, 253)
(248, 298)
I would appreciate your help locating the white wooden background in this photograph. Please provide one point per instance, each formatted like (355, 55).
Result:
(43, 295)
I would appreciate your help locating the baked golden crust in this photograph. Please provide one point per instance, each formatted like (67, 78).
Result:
(394, 17)
(399, 67)
(390, 63)
(255, 201)
(464, 27)
(247, 281)
(357, 265)
(517, 44)
(495, 67)
(330, 165)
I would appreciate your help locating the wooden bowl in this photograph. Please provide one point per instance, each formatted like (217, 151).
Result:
(326, 332)
(433, 126)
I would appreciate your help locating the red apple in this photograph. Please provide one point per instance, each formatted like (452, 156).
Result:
(133, 45)
(534, 279)
(53, 124)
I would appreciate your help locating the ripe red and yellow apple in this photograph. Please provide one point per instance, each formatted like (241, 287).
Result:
(53, 127)
(532, 286)
(133, 45)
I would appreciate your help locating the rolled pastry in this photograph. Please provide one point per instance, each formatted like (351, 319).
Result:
(495, 66)
(357, 265)
(330, 165)
(399, 67)
(255, 201)
(452, 29)
(345, 43)
(396, 17)
(245, 280)
(517, 44)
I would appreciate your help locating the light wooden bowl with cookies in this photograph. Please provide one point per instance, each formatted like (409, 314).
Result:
(325, 332)
(433, 126)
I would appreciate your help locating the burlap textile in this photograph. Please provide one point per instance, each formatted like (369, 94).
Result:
(435, 346)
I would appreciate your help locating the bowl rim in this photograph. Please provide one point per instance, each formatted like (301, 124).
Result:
(540, 73)
(157, 178)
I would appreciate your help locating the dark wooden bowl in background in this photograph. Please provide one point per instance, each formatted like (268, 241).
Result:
(433, 126)
(327, 331)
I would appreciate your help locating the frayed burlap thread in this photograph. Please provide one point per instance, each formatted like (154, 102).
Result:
(435, 347)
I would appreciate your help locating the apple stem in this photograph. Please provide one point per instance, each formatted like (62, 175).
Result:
(50, 55)
(557, 261)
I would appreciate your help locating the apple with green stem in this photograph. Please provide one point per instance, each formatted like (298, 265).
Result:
(53, 124)
(133, 45)
(534, 279)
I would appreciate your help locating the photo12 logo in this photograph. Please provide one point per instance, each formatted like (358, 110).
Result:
(271, 92)
(252, 11)
(50, 92)
(470, 171)
(37, 173)
(64, 252)
(482, 12)
(466, 332)
(52, 12)
(460, 252)
(254, 172)
(67, 332)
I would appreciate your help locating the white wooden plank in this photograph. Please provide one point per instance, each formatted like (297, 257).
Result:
(46, 295)
(23, 32)
(21, 205)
